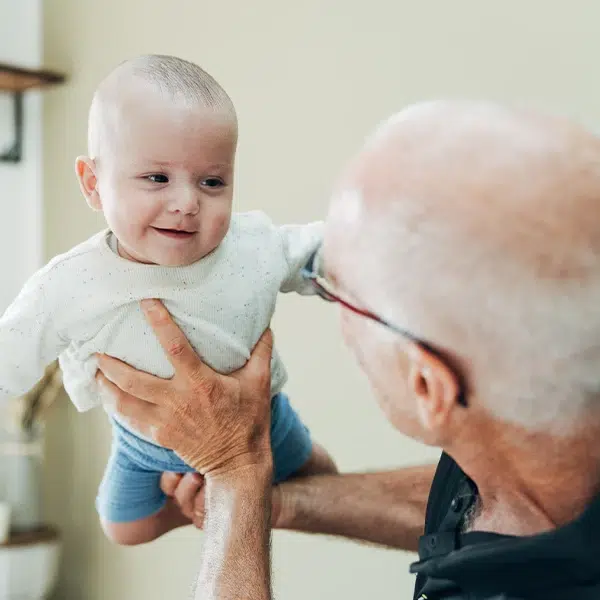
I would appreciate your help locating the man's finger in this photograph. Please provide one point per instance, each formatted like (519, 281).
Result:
(130, 380)
(169, 482)
(131, 408)
(186, 492)
(176, 346)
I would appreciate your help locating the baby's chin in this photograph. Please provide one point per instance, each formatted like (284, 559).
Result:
(176, 261)
(160, 258)
(180, 259)
(168, 252)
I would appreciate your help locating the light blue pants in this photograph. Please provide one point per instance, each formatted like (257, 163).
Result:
(130, 489)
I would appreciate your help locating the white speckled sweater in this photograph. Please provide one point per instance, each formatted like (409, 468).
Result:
(87, 301)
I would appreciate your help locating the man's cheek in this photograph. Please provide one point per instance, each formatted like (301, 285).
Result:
(355, 338)
(347, 328)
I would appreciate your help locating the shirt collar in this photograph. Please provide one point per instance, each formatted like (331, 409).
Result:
(480, 562)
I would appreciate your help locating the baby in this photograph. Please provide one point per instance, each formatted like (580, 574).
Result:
(162, 143)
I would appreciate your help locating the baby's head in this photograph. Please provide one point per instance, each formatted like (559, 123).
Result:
(162, 140)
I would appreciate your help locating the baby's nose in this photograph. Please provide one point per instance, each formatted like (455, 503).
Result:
(187, 202)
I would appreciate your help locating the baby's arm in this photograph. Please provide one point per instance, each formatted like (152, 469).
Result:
(29, 339)
(299, 242)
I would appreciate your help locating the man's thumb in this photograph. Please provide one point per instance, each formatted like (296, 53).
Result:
(259, 362)
(263, 350)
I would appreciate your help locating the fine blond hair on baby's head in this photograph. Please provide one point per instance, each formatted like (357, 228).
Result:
(174, 78)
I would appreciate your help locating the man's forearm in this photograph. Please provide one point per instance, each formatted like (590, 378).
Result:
(236, 555)
(386, 508)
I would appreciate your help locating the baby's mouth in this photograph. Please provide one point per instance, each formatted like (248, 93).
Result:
(174, 233)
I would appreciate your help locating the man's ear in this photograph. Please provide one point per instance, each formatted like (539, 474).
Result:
(85, 168)
(435, 387)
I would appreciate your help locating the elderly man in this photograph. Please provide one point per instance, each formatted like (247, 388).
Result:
(463, 245)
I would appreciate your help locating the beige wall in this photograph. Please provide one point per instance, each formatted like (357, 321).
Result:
(20, 247)
(309, 79)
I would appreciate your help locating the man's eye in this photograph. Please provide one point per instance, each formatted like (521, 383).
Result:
(212, 182)
(158, 178)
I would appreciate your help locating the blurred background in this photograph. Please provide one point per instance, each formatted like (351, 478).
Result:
(309, 80)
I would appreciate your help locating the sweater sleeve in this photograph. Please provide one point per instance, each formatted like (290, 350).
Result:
(299, 242)
(29, 340)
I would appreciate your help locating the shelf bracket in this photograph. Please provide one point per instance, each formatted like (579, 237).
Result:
(15, 152)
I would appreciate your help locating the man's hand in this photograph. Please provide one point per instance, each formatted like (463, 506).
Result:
(187, 491)
(220, 425)
(216, 423)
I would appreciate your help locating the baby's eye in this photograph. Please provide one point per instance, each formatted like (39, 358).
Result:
(212, 182)
(158, 178)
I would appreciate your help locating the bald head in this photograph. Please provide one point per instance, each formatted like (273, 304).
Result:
(165, 79)
(481, 227)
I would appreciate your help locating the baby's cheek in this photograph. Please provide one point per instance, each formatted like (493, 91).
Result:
(221, 223)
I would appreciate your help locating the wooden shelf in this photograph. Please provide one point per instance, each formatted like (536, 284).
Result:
(17, 79)
(43, 535)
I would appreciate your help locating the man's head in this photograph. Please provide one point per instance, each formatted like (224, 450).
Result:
(162, 140)
(477, 229)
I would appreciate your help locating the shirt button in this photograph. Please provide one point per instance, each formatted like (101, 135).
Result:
(433, 541)
(456, 504)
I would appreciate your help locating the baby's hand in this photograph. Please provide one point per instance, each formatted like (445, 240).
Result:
(187, 491)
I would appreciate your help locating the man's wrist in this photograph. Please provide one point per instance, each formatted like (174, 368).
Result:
(236, 555)
(249, 481)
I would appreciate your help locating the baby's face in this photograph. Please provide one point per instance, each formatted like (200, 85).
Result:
(165, 180)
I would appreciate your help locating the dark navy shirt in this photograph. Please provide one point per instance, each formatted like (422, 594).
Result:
(563, 564)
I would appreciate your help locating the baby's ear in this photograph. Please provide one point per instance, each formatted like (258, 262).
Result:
(85, 168)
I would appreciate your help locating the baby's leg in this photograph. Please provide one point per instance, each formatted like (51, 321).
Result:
(132, 507)
(293, 450)
(145, 530)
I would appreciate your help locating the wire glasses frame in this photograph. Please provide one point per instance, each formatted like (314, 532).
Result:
(313, 272)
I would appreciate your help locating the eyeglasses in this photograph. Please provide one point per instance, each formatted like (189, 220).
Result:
(313, 271)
